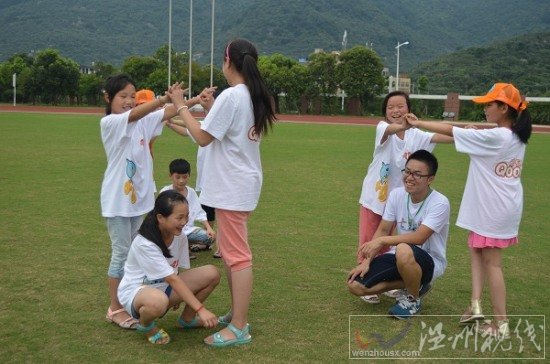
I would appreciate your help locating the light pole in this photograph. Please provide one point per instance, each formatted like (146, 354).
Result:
(212, 46)
(397, 69)
(190, 45)
(169, 42)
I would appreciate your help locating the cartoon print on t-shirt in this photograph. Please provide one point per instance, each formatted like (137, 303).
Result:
(129, 185)
(252, 134)
(382, 184)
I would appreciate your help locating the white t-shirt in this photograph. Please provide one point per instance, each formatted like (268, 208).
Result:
(232, 177)
(433, 212)
(128, 187)
(388, 159)
(146, 266)
(196, 213)
(492, 203)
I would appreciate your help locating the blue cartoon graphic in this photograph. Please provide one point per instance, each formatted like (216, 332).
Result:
(382, 184)
(129, 185)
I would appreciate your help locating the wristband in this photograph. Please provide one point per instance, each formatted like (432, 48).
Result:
(180, 108)
(200, 308)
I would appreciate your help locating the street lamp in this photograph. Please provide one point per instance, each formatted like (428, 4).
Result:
(397, 70)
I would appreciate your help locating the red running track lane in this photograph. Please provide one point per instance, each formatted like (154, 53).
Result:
(326, 119)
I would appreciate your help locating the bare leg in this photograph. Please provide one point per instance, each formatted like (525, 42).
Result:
(478, 273)
(201, 281)
(492, 260)
(115, 304)
(408, 268)
(358, 289)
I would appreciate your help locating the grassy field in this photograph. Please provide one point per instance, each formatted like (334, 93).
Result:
(54, 252)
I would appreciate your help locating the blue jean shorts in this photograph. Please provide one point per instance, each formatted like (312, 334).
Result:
(199, 236)
(122, 231)
(384, 268)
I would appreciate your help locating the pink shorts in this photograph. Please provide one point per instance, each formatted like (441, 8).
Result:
(368, 223)
(232, 239)
(479, 241)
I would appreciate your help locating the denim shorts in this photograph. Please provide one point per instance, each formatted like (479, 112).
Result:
(122, 231)
(384, 268)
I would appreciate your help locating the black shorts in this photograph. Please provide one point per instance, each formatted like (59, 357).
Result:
(210, 212)
(384, 268)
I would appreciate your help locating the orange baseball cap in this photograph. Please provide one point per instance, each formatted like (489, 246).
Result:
(504, 92)
(143, 96)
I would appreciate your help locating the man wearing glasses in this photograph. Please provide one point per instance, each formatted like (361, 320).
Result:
(417, 253)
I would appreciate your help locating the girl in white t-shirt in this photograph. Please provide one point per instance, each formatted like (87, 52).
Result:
(492, 203)
(232, 179)
(393, 144)
(153, 282)
(127, 191)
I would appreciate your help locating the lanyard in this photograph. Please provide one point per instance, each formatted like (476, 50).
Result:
(412, 219)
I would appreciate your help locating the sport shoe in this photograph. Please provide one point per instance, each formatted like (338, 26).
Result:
(372, 299)
(473, 313)
(406, 307)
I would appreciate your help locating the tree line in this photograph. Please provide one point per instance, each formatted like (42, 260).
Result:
(49, 78)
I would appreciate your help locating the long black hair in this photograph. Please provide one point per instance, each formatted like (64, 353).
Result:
(521, 122)
(244, 56)
(113, 85)
(164, 205)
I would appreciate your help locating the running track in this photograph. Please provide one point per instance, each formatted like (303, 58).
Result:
(340, 119)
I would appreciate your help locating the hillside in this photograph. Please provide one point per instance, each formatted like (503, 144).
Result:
(521, 60)
(110, 31)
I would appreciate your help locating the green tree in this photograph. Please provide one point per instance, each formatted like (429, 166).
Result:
(322, 78)
(53, 77)
(360, 73)
(279, 73)
(139, 69)
(423, 84)
(90, 88)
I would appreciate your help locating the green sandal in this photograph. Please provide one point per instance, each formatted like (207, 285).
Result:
(193, 324)
(241, 337)
(161, 337)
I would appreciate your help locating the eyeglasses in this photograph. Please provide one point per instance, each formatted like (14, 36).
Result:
(406, 173)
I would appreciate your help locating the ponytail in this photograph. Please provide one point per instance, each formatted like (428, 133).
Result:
(521, 125)
(244, 56)
(164, 205)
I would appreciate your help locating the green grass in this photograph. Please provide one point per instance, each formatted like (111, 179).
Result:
(54, 248)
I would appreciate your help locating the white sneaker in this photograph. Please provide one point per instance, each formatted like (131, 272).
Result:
(371, 298)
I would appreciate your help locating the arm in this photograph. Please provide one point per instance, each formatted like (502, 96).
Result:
(176, 127)
(209, 231)
(394, 129)
(193, 126)
(440, 138)
(436, 127)
(417, 237)
(208, 318)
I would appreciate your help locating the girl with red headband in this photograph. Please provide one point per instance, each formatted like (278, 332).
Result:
(233, 128)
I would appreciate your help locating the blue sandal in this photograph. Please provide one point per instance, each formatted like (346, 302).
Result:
(193, 324)
(241, 337)
(161, 337)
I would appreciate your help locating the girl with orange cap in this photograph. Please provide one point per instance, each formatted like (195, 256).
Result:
(492, 203)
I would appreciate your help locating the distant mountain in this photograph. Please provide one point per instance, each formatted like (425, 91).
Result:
(522, 60)
(111, 31)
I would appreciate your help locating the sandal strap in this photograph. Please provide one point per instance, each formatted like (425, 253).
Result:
(159, 335)
(188, 325)
(148, 328)
(239, 334)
